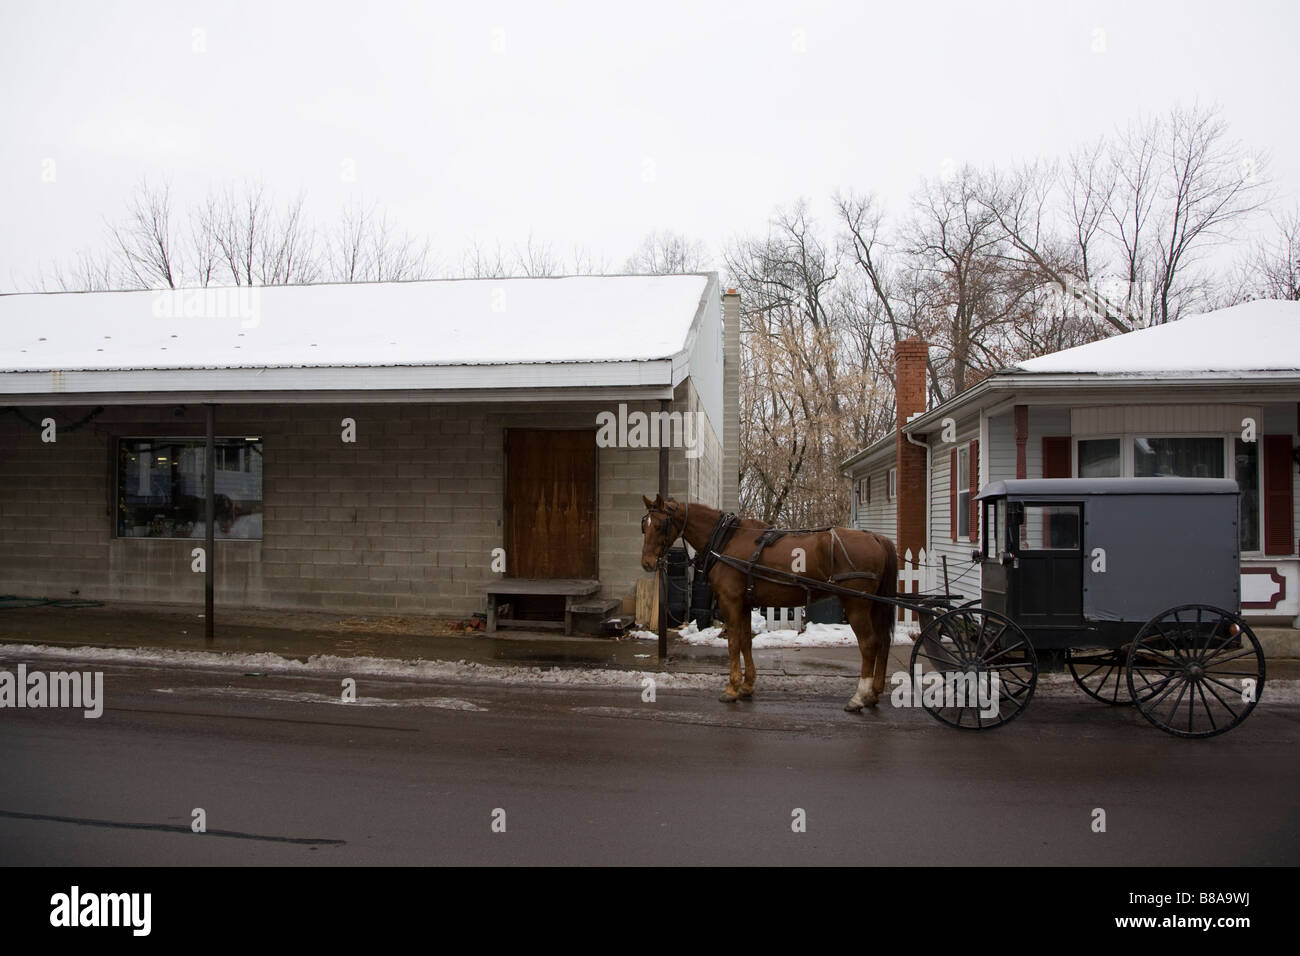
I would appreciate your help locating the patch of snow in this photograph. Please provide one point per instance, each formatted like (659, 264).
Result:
(813, 635)
(310, 697)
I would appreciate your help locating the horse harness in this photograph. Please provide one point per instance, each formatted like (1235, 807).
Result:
(727, 525)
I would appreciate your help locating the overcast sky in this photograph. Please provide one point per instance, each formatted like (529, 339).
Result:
(591, 123)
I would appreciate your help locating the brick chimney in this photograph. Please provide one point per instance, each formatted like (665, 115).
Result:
(910, 357)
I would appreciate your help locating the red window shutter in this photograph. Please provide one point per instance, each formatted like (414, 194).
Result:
(974, 490)
(952, 494)
(1278, 501)
(1056, 457)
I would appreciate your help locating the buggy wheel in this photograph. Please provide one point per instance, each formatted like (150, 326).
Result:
(1195, 670)
(986, 669)
(1101, 674)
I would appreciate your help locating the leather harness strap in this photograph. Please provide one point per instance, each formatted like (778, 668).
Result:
(726, 526)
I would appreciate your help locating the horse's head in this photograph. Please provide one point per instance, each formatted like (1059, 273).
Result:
(662, 524)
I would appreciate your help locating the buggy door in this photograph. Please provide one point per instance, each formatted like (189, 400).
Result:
(1046, 588)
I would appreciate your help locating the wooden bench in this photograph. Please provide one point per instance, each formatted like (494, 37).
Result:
(572, 590)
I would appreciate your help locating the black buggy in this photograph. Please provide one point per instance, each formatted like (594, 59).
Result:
(1137, 579)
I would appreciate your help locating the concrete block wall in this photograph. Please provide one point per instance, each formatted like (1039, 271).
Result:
(402, 520)
(699, 479)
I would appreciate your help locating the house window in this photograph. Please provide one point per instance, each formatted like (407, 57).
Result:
(161, 492)
(893, 484)
(1099, 458)
(963, 491)
(1181, 456)
(1247, 462)
(1178, 457)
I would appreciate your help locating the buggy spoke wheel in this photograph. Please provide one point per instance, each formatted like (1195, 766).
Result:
(1195, 670)
(1102, 674)
(978, 670)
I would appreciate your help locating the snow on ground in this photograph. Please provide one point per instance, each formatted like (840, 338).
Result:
(387, 668)
(813, 635)
(1049, 685)
(307, 697)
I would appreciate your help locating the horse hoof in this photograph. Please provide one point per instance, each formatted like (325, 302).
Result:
(746, 695)
(729, 698)
(853, 707)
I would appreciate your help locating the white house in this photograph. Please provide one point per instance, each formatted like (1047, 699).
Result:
(1212, 395)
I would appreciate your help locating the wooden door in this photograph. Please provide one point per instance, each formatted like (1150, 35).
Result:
(551, 504)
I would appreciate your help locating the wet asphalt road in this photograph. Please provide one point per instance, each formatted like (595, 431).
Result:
(413, 772)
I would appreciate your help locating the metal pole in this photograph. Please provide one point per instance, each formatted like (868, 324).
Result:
(210, 507)
(663, 569)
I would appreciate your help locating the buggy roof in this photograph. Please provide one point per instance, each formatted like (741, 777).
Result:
(1076, 487)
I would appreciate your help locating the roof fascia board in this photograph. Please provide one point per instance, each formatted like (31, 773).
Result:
(1066, 390)
(870, 455)
(341, 378)
(386, 397)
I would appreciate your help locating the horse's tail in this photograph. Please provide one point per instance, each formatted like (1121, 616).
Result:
(882, 614)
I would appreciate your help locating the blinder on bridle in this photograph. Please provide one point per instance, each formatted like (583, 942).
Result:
(666, 529)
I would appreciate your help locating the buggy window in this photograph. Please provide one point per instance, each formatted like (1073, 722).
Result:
(1050, 528)
(995, 519)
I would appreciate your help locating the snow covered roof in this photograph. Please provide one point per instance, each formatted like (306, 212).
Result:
(1259, 336)
(467, 333)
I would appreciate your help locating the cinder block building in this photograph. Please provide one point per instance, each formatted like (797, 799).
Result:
(378, 446)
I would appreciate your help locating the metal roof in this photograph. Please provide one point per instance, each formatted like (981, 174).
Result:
(574, 332)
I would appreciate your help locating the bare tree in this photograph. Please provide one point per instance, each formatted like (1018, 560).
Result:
(1211, 186)
(255, 243)
(1271, 269)
(537, 258)
(668, 253)
(145, 248)
(799, 390)
(480, 262)
(364, 246)
(586, 263)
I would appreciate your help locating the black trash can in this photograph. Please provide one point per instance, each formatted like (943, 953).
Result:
(702, 601)
(676, 562)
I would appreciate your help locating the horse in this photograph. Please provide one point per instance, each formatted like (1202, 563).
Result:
(859, 560)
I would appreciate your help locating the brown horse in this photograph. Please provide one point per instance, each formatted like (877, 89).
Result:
(859, 560)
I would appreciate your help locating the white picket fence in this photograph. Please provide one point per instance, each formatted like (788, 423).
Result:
(784, 618)
(914, 577)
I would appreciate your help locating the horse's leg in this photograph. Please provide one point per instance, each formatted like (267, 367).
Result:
(747, 648)
(874, 657)
(883, 642)
(732, 611)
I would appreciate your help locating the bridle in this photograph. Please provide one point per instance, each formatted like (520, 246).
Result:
(686, 517)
